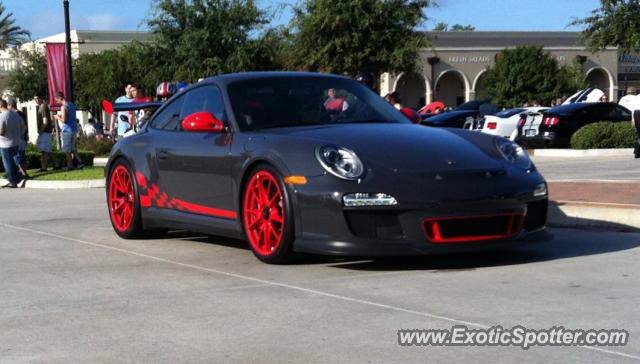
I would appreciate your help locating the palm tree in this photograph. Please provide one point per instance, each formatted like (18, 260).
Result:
(11, 34)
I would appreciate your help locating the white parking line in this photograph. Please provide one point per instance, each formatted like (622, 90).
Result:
(288, 286)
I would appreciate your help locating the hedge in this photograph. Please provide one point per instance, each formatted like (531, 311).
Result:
(605, 134)
(33, 159)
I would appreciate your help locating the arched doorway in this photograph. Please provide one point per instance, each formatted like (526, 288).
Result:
(412, 89)
(599, 78)
(480, 85)
(451, 88)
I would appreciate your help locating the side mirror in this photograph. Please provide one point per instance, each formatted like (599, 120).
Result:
(203, 121)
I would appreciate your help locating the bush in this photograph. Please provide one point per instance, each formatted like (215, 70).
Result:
(101, 148)
(33, 159)
(605, 134)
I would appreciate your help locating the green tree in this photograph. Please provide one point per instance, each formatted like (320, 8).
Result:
(104, 75)
(614, 23)
(10, 34)
(444, 27)
(350, 36)
(528, 73)
(462, 28)
(570, 78)
(30, 78)
(441, 27)
(200, 38)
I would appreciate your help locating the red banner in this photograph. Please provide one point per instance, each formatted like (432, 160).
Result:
(57, 72)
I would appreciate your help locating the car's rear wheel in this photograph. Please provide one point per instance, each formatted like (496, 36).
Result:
(123, 202)
(267, 216)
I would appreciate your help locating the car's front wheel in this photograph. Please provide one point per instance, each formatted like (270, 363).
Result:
(267, 216)
(122, 199)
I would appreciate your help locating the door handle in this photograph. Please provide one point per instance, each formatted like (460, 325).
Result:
(162, 154)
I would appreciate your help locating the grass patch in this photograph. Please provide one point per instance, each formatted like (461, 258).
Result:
(61, 175)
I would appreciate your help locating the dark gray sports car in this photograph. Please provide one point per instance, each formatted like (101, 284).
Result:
(303, 162)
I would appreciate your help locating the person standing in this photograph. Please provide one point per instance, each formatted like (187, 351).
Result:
(11, 132)
(45, 133)
(21, 158)
(120, 122)
(632, 102)
(138, 97)
(635, 121)
(69, 128)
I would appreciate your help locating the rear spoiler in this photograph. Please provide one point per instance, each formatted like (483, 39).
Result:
(110, 107)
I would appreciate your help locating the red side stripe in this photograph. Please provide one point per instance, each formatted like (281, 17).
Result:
(152, 195)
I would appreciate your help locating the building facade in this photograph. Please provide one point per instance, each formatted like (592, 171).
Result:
(452, 69)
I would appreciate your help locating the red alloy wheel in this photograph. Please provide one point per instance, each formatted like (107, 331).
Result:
(121, 198)
(264, 213)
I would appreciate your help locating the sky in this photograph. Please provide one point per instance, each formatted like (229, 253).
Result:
(46, 17)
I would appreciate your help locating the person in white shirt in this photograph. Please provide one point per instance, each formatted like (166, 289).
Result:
(89, 129)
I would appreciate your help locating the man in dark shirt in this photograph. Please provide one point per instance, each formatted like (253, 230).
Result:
(45, 133)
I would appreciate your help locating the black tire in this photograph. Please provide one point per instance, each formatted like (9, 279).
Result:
(283, 252)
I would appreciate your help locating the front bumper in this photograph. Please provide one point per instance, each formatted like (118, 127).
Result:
(325, 226)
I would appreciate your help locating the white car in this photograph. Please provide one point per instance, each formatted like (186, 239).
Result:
(505, 123)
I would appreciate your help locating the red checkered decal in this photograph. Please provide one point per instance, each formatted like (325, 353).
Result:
(151, 196)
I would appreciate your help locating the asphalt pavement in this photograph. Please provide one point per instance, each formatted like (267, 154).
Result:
(618, 168)
(72, 291)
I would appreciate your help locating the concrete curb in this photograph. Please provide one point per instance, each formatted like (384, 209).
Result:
(594, 215)
(576, 153)
(59, 185)
(100, 162)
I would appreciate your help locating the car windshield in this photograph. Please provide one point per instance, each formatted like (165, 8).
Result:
(276, 102)
(509, 113)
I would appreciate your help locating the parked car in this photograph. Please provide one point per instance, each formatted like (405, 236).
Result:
(462, 114)
(505, 122)
(558, 124)
(258, 156)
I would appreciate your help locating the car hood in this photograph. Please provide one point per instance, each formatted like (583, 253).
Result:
(404, 148)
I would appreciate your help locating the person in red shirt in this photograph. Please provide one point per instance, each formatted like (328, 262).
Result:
(335, 103)
(138, 97)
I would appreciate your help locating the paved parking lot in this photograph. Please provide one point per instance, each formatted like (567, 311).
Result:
(589, 168)
(72, 291)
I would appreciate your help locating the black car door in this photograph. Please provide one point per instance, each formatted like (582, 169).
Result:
(194, 167)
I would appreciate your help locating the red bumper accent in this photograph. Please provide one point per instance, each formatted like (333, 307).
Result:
(462, 229)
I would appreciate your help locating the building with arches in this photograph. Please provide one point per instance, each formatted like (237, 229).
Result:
(452, 70)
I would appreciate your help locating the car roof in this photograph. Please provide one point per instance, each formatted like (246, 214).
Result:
(233, 77)
(576, 106)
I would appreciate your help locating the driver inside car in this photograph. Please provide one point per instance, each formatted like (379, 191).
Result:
(335, 103)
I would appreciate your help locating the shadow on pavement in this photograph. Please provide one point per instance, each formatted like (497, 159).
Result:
(566, 243)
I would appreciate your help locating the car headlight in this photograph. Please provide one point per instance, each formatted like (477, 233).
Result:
(340, 162)
(513, 153)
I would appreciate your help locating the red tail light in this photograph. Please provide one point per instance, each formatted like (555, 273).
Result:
(492, 125)
(522, 122)
(551, 120)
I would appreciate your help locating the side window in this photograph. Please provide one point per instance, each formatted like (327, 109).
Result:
(206, 98)
(169, 118)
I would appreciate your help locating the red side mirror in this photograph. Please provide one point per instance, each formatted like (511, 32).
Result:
(203, 121)
(107, 106)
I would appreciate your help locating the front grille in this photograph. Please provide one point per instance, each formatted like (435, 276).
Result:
(536, 215)
(473, 228)
(374, 224)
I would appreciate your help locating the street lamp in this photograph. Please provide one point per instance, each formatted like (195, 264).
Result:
(67, 30)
